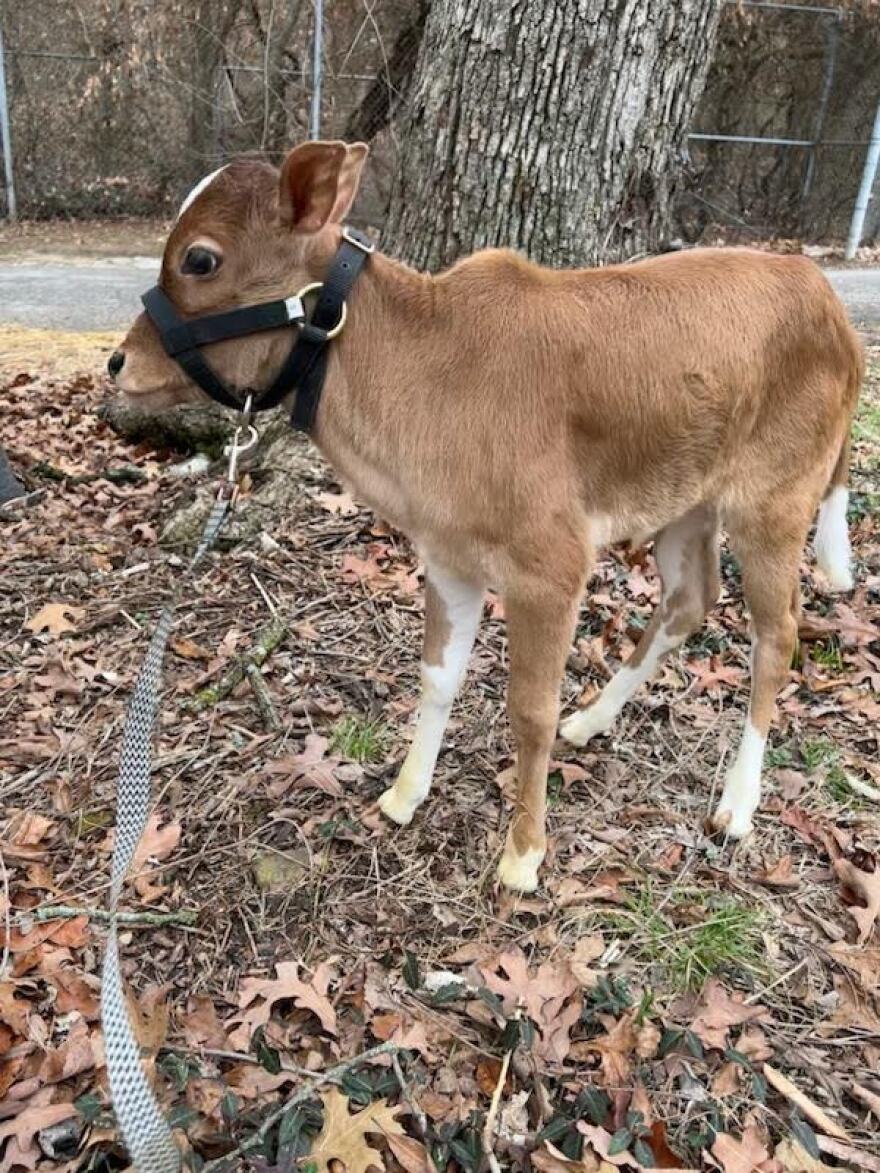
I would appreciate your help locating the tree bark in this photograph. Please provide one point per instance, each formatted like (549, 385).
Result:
(556, 128)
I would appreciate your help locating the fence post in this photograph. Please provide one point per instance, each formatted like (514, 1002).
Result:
(317, 70)
(864, 197)
(11, 210)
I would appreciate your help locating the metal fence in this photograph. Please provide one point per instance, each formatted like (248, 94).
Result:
(109, 116)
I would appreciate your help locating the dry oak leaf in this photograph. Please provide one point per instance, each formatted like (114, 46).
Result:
(344, 1136)
(718, 1011)
(287, 985)
(310, 768)
(30, 1121)
(157, 843)
(201, 1024)
(740, 1156)
(13, 1011)
(615, 1049)
(410, 1154)
(54, 618)
(865, 883)
(547, 998)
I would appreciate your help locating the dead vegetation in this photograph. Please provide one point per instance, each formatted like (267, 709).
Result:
(664, 999)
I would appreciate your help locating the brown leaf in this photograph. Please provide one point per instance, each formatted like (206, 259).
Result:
(861, 876)
(740, 1156)
(781, 875)
(287, 985)
(13, 1011)
(310, 768)
(343, 1137)
(795, 1159)
(56, 618)
(189, 650)
(201, 1024)
(409, 1153)
(586, 950)
(718, 1011)
(340, 504)
(616, 1048)
(546, 995)
(32, 1120)
(27, 829)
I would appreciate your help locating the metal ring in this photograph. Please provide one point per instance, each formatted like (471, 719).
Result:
(313, 288)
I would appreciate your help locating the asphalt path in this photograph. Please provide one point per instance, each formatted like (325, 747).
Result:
(105, 295)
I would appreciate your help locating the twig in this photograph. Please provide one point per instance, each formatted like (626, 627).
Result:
(759, 994)
(266, 643)
(489, 1126)
(848, 1152)
(7, 947)
(331, 1076)
(867, 1097)
(811, 1110)
(263, 697)
(186, 916)
(417, 1113)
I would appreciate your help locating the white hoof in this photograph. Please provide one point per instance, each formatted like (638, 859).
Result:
(586, 723)
(520, 872)
(395, 807)
(733, 819)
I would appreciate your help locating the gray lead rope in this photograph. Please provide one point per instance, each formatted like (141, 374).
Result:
(144, 1129)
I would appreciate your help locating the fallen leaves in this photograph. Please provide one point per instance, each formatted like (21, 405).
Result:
(344, 1136)
(258, 997)
(718, 1011)
(55, 618)
(861, 878)
(741, 1156)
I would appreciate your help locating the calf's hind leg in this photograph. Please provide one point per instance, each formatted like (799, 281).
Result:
(769, 548)
(687, 558)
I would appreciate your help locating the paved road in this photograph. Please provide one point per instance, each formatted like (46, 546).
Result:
(105, 295)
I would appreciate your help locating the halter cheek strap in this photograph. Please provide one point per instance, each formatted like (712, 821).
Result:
(304, 368)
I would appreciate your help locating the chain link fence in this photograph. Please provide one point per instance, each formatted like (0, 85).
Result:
(117, 108)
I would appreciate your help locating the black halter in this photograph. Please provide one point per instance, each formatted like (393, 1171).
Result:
(305, 366)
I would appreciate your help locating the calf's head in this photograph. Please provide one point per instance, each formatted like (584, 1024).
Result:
(248, 233)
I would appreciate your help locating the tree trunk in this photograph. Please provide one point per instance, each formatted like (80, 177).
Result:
(555, 128)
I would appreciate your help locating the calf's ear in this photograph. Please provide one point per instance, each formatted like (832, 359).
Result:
(319, 182)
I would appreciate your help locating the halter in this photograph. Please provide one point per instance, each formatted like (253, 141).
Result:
(304, 368)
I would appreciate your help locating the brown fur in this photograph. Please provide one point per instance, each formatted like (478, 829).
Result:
(509, 418)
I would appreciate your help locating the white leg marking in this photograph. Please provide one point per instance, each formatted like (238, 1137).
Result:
(833, 551)
(520, 872)
(602, 713)
(463, 604)
(198, 189)
(742, 788)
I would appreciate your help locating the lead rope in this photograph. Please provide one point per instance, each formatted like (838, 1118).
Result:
(144, 1129)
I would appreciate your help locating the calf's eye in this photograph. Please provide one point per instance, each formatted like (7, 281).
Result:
(200, 262)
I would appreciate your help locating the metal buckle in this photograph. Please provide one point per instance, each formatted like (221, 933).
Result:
(366, 246)
(313, 288)
(296, 311)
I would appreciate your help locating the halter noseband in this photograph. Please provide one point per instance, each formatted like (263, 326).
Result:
(305, 366)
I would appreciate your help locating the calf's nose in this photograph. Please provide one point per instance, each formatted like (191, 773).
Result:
(116, 362)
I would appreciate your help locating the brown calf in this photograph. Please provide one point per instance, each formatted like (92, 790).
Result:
(512, 420)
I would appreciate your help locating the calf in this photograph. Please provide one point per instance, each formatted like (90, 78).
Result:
(513, 420)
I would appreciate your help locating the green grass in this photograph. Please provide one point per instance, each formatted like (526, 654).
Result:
(360, 739)
(818, 753)
(828, 654)
(724, 936)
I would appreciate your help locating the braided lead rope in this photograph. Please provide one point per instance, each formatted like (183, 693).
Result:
(143, 1127)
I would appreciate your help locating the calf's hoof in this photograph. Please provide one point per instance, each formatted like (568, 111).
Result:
(578, 728)
(520, 872)
(397, 808)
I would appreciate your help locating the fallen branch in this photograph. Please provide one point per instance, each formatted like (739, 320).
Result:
(263, 697)
(304, 1093)
(186, 916)
(811, 1110)
(267, 641)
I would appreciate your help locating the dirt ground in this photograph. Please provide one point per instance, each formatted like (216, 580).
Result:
(85, 240)
(663, 1000)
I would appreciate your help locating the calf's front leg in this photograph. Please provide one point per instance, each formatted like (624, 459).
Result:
(541, 618)
(452, 615)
